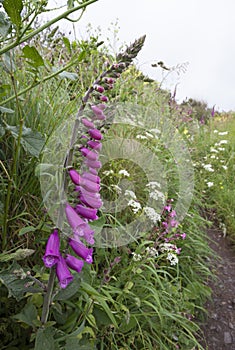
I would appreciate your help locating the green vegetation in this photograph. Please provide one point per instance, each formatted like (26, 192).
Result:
(149, 293)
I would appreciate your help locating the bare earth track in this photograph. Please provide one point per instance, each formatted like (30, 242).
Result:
(219, 328)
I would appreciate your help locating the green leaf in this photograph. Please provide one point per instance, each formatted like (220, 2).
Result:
(15, 285)
(68, 75)
(20, 254)
(8, 62)
(13, 8)
(6, 110)
(5, 89)
(27, 229)
(72, 289)
(4, 24)
(67, 44)
(44, 339)
(27, 315)
(32, 141)
(33, 55)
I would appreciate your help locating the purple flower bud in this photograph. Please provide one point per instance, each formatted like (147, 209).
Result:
(96, 145)
(63, 274)
(101, 106)
(174, 223)
(81, 250)
(167, 207)
(95, 134)
(52, 252)
(87, 123)
(93, 171)
(87, 213)
(93, 164)
(87, 193)
(89, 237)
(74, 263)
(74, 219)
(104, 98)
(96, 110)
(99, 88)
(89, 154)
(183, 235)
(91, 177)
(75, 177)
(90, 186)
(172, 214)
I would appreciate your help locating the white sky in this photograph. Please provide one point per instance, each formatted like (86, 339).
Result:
(200, 32)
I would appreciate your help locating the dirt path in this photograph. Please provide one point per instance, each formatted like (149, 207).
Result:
(219, 329)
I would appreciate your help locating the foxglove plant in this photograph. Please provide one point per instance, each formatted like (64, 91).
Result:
(86, 184)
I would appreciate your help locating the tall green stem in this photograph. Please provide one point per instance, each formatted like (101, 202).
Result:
(43, 27)
(47, 297)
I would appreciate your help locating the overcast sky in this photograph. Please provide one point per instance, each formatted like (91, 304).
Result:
(198, 32)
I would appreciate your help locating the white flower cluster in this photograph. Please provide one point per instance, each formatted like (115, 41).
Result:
(222, 133)
(172, 258)
(208, 167)
(130, 194)
(116, 188)
(151, 251)
(166, 247)
(136, 257)
(157, 195)
(135, 206)
(153, 185)
(108, 172)
(124, 172)
(210, 184)
(152, 214)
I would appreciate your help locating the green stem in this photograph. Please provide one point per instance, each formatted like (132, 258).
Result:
(48, 77)
(47, 297)
(46, 25)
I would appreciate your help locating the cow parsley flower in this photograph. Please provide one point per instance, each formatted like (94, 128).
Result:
(124, 172)
(152, 214)
(130, 194)
(172, 258)
(135, 206)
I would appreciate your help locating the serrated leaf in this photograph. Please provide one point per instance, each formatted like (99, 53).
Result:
(44, 339)
(15, 285)
(27, 315)
(68, 75)
(4, 24)
(32, 141)
(33, 55)
(6, 110)
(13, 8)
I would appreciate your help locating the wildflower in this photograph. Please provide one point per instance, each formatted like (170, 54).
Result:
(91, 177)
(157, 195)
(81, 250)
(136, 257)
(74, 263)
(221, 148)
(216, 131)
(98, 112)
(63, 274)
(210, 184)
(167, 207)
(96, 145)
(174, 223)
(99, 88)
(75, 177)
(93, 171)
(117, 188)
(153, 185)
(95, 134)
(213, 150)
(89, 154)
(166, 247)
(74, 219)
(172, 258)
(208, 167)
(224, 167)
(92, 201)
(104, 98)
(93, 163)
(183, 235)
(108, 172)
(152, 214)
(88, 213)
(148, 134)
(141, 137)
(172, 214)
(165, 224)
(52, 252)
(223, 133)
(151, 251)
(135, 206)
(87, 123)
(130, 193)
(223, 142)
(124, 172)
